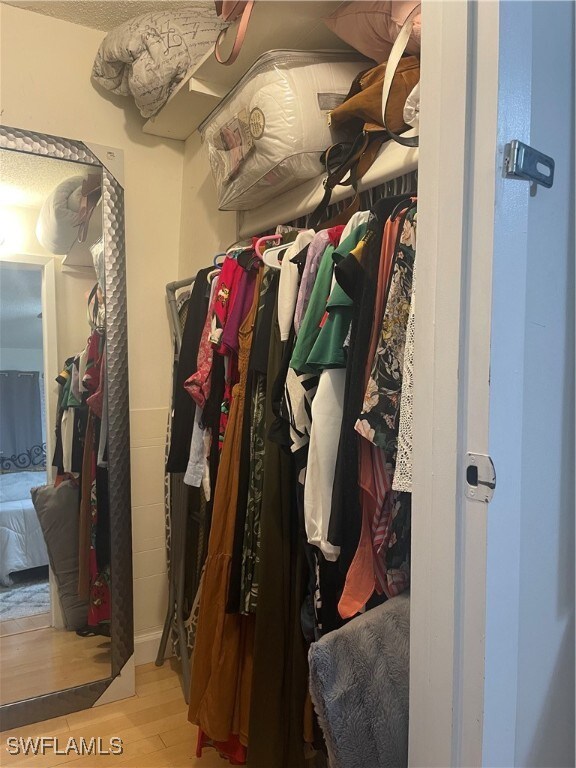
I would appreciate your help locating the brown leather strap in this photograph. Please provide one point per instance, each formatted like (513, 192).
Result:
(344, 216)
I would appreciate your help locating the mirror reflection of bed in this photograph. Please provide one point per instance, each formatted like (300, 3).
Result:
(54, 537)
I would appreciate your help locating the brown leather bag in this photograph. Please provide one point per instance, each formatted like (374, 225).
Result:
(362, 108)
(361, 114)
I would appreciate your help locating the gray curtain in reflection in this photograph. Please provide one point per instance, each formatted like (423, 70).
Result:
(21, 445)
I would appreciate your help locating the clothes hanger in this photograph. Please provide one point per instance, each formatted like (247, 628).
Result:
(236, 248)
(219, 256)
(260, 242)
(271, 256)
(401, 205)
(95, 309)
(212, 274)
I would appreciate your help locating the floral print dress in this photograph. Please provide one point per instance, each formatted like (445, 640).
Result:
(378, 421)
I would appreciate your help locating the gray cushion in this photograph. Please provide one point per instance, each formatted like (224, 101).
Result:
(58, 512)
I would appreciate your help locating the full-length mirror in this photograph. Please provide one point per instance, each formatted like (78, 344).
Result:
(64, 465)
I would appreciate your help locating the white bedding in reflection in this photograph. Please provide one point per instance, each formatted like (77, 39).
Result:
(21, 541)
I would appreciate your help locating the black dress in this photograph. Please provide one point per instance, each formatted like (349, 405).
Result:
(183, 405)
(359, 281)
(280, 671)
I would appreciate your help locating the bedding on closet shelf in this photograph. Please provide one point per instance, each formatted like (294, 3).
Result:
(22, 543)
(267, 135)
(148, 56)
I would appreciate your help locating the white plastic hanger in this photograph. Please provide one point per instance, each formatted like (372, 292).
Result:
(211, 275)
(270, 257)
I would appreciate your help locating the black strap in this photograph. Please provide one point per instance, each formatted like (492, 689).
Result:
(93, 296)
(345, 173)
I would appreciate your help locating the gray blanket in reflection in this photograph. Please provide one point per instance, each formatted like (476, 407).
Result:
(359, 686)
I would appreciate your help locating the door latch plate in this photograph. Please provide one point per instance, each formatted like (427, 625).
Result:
(480, 480)
(524, 162)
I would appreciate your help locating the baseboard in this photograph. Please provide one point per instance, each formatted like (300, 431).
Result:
(146, 647)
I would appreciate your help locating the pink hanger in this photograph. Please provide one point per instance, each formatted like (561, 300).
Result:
(265, 239)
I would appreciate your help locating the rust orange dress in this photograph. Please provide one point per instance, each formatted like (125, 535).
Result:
(222, 660)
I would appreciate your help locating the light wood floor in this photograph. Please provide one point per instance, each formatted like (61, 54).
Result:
(152, 726)
(45, 660)
(25, 624)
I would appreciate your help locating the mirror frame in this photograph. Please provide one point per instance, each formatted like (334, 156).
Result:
(63, 702)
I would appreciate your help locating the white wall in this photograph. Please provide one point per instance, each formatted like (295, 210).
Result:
(45, 86)
(205, 230)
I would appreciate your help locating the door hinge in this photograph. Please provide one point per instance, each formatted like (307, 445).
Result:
(480, 480)
(524, 162)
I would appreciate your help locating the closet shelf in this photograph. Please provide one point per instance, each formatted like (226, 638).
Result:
(393, 160)
(272, 25)
(81, 258)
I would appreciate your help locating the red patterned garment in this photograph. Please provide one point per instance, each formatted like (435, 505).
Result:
(99, 597)
(93, 378)
(226, 294)
(99, 579)
(198, 385)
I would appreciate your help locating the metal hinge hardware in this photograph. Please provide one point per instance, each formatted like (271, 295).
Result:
(524, 162)
(480, 480)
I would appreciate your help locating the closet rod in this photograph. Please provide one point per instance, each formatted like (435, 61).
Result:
(392, 161)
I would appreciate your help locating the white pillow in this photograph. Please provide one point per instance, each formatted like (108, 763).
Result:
(371, 27)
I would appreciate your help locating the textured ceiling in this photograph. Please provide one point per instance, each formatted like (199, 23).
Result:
(98, 14)
(27, 180)
(20, 304)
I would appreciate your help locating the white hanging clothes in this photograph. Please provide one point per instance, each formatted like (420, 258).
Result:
(403, 473)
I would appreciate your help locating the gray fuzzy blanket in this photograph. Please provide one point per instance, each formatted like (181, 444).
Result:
(359, 686)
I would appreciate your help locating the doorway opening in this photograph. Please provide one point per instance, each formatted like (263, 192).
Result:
(25, 601)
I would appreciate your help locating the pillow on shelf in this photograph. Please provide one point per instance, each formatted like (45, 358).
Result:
(148, 56)
(372, 27)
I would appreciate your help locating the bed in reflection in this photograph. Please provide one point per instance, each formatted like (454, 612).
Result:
(22, 544)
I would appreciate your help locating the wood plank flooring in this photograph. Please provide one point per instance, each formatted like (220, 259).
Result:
(152, 725)
(45, 660)
(25, 624)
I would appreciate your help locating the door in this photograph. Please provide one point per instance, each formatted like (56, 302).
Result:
(492, 632)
